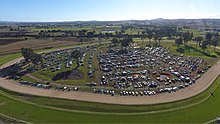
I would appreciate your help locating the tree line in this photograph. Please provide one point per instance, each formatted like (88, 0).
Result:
(210, 39)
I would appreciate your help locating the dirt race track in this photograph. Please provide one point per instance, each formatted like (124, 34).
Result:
(201, 85)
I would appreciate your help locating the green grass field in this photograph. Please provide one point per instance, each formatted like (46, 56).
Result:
(62, 28)
(196, 33)
(97, 29)
(7, 58)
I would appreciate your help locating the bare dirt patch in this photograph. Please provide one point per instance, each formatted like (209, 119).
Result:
(9, 41)
(69, 75)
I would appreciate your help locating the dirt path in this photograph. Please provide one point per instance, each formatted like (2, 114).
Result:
(201, 85)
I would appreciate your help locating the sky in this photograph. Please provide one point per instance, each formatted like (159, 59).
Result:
(106, 10)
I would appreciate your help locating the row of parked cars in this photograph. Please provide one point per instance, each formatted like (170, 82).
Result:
(64, 88)
(109, 92)
(150, 93)
(103, 91)
(36, 84)
(137, 93)
(48, 86)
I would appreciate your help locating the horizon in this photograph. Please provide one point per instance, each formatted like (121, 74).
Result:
(106, 20)
(106, 10)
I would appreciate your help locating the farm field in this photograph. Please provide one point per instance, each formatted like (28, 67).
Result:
(9, 40)
(61, 28)
(89, 28)
(36, 44)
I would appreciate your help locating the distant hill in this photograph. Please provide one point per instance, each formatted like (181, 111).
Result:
(158, 20)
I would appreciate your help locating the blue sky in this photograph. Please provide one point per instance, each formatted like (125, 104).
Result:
(72, 10)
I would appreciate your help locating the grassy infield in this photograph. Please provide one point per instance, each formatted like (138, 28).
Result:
(200, 108)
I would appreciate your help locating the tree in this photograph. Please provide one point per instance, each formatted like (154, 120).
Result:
(159, 39)
(186, 37)
(149, 36)
(198, 40)
(30, 56)
(82, 33)
(114, 40)
(178, 41)
(126, 42)
(208, 36)
(122, 31)
(155, 36)
(76, 55)
(90, 34)
(204, 44)
(42, 33)
(116, 33)
(143, 36)
(215, 42)
(191, 35)
(36, 59)
(27, 53)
